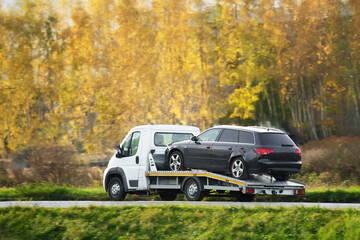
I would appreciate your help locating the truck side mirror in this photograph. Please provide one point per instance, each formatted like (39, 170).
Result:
(118, 151)
(194, 138)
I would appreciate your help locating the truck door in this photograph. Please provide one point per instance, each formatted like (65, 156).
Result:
(130, 159)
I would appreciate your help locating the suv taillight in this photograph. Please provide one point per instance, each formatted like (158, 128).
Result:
(264, 151)
(298, 152)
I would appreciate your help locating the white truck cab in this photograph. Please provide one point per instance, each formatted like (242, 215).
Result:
(130, 161)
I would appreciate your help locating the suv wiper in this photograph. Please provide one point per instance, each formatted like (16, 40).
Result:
(287, 145)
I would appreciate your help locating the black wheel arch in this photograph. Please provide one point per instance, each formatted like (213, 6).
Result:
(116, 172)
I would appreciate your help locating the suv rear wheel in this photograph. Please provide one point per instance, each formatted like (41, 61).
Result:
(238, 169)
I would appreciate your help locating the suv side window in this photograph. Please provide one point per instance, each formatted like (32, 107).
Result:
(209, 135)
(246, 137)
(131, 144)
(229, 135)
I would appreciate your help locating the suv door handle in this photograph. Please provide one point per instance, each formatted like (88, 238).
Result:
(137, 159)
(208, 147)
(230, 148)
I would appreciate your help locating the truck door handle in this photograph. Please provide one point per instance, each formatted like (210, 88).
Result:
(137, 159)
(208, 147)
(230, 148)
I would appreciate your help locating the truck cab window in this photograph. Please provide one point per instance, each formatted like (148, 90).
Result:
(131, 144)
(135, 143)
(162, 139)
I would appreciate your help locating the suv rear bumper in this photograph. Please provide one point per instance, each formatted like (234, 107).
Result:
(284, 167)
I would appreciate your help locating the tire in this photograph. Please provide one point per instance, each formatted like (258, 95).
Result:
(192, 190)
(240, 197)
(116, 190)
(168, 196)
(238, 169)
(176, 161)
(284, 177)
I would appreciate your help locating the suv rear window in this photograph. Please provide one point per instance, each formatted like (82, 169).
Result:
(164, 139)
(275, 139)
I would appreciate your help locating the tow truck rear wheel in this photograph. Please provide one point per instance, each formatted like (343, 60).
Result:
(116, 189)
(193, 191)
(168, 196)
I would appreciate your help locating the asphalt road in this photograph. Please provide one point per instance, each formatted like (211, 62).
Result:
(67, 204)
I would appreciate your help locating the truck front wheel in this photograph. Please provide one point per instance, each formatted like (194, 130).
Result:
(116, 189)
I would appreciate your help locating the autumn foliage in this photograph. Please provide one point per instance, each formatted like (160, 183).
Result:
(84, 72)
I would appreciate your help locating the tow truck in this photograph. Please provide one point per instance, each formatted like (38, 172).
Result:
(137, 167)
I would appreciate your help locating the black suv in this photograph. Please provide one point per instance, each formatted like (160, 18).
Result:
(238, 151)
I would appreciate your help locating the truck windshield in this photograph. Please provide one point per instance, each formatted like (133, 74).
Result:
(164, 139)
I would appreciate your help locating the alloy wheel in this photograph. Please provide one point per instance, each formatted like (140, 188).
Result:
(175, 162)
(237, 168)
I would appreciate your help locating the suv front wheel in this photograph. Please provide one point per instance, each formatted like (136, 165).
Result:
(176, 161)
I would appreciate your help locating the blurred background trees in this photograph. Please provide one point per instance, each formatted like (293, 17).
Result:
(83, 73)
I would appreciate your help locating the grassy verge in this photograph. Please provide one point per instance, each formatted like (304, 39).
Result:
(178, 222)
(53, 192)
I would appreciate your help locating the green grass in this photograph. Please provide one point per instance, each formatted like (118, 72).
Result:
(46, 191)
(336, 195)
(178, 222)
(52, 192)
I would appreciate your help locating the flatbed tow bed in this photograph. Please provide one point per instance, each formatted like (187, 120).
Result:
(258, 184)
(196, 183)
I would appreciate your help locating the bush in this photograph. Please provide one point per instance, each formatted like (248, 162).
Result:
(4, 175)
(53, 164)
(332, 161)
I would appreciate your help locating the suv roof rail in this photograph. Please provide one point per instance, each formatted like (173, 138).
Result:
(267, 128)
